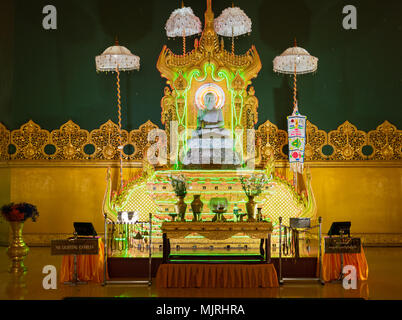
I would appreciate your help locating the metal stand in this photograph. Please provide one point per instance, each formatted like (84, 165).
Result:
(147, 282)
(75, 281)
(281, 279)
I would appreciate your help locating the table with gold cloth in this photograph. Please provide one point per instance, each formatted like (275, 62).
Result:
(205, 275)
(331, 265)
(218, 231)
(90, 267)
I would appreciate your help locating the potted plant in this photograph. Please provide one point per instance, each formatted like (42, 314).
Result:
(179, 185)
(16, 215)
(252, 187)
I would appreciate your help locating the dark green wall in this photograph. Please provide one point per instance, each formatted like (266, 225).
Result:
(49, 76)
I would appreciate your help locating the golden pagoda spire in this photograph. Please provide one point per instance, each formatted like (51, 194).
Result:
(209, 39)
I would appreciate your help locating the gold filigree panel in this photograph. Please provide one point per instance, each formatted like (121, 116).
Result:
(4, 142)
(347, 142)
(315, 140)
(386, 141)
(30, 141)
(70, 142)
(139, 138)
(270, 142)
(106, 140)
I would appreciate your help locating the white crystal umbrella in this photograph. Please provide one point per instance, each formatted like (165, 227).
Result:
(115, 59)
(295, 59)
(232, 22)
(183, 23)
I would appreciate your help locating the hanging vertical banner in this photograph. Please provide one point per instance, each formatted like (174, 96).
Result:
(297, 140)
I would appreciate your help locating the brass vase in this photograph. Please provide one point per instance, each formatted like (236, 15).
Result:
(18, 250)
(250, 206)
(181, 209)
(196, 207)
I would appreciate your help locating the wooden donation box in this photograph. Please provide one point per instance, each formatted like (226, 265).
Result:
(217, 231)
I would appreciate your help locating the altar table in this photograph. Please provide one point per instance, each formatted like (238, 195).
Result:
(90, 267)
(207, 275)
(218, 231)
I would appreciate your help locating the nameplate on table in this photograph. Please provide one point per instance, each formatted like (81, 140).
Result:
(75, 246)
(342, 245)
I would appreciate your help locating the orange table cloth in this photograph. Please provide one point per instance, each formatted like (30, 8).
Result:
(89, 267)
(207, 275)
(331, 265)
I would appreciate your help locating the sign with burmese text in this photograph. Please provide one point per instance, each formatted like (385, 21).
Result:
(342, 245)
(75, 246)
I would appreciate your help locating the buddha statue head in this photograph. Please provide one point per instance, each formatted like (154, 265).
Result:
(209, 101)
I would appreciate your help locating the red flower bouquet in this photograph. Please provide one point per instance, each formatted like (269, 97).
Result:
(19, 212)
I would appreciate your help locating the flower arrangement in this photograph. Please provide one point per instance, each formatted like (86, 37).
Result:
(179, 184)
(253, 185)
(19, 212)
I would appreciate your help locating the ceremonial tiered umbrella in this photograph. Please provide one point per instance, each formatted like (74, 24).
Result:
(115, 59)
(183, 23)
(296, 60)
(232, 22)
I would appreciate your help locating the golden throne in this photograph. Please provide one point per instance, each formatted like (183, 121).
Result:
(209, 68)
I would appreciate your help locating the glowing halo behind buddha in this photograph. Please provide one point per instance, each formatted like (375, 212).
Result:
(209, 88)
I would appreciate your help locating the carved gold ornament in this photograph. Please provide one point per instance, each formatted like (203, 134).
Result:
(70, 141)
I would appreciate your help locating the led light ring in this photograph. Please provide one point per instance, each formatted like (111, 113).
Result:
(209, 88)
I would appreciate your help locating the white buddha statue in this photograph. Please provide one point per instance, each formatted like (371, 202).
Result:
(210, 117)
(211, 143)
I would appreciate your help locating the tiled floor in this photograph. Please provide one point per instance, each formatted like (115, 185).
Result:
(385, 282)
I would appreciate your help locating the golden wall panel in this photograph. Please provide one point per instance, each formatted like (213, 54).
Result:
(367, 193)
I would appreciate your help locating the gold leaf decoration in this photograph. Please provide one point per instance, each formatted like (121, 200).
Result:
(69, 141)
(4, 142)
(106, 140)
(271, 141)
(30, 141)
(386, 141)
(315, 140)
(347, 142)
(139, 138)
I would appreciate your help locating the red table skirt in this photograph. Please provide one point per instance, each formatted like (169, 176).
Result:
(331, 265)
(90, 267)
(216, 276)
